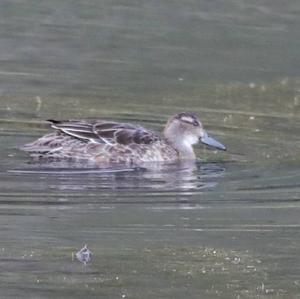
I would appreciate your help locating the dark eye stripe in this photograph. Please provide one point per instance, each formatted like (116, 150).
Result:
(188, 118)
(191, 122)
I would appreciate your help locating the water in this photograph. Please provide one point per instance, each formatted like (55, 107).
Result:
(224, 227)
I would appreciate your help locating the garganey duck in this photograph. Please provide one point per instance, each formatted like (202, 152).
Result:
(100, 141)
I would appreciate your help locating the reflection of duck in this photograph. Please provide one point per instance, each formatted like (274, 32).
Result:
(184, 176)
(111, 142)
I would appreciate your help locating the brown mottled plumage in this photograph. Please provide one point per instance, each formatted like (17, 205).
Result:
(112, 142)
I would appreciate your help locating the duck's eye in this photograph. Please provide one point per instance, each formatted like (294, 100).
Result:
(195, 123)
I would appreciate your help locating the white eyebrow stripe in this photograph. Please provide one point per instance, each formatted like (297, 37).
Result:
(187, 119)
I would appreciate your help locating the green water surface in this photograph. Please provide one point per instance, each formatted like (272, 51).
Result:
(225, 227)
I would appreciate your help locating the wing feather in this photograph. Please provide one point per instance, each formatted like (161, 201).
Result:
(106, 132)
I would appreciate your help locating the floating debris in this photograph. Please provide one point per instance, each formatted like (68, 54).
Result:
(84, 255)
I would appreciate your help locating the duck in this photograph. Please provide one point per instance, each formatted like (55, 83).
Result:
(102, 141)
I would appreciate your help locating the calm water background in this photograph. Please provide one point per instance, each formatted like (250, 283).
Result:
(226, 227)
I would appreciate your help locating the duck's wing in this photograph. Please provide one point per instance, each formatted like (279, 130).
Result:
(106, 132)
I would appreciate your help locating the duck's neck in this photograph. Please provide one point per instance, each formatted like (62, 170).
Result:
(185, 150)
(183, 144)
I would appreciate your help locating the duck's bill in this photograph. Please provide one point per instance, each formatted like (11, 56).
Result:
(212, 142)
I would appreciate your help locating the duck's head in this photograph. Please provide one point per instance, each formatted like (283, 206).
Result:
(185, 129)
